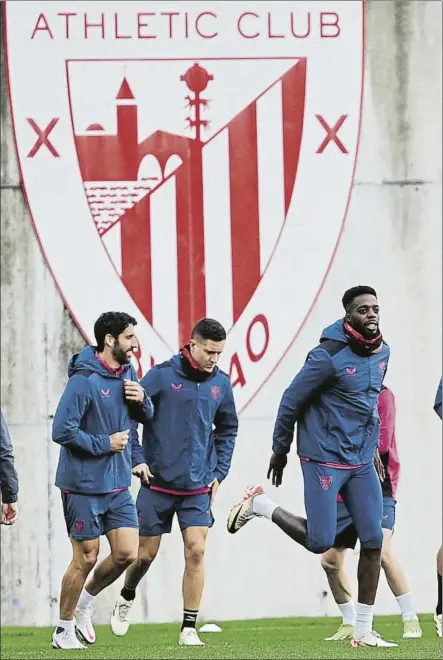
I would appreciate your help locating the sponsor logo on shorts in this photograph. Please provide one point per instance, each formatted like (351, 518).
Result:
(326, 482)
(79, 525)
(382, 365)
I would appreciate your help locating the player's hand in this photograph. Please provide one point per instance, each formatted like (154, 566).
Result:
(214, 486)
(9, 513)
(276, 466)
(134, 391)
(119, 440)
(379, 467)
(143, 472)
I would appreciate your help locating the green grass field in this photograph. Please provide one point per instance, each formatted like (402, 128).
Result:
(265, 638)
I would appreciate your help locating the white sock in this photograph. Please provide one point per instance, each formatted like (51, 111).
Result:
(348, 613)
(262, 505)
(67, 625)
(364, 620)
(405, 604)
(85, 600)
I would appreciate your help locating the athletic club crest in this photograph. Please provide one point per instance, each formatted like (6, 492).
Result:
(189, 163)
(215, 392)
(326, 482)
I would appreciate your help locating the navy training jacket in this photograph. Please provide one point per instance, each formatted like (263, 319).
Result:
(333, 400)
(190, 440)
(91, 409)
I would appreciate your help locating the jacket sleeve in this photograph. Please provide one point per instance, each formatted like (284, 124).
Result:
(438, 402)
(66, 429)
(386, 412)
(225, 433)
(8, 474)
(137, 455)
(316, 371)
(151, 384)
(140, 412)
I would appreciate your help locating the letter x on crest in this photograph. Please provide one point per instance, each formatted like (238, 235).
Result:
(331, 134)
(43, 136)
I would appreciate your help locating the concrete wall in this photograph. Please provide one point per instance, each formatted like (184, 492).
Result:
(392, 239)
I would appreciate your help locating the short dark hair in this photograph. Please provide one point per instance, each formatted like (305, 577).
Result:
(350, 295)
(111, 323)
(209, 329)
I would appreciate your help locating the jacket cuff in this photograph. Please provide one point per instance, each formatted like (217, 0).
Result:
(277, 448)
(106, 439)
(219, 476)
(9, 498)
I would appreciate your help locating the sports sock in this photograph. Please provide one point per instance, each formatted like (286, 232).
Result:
(406, 606)
(189, 618)
(85, 600)
(262, 505)
(348, 612)
(127, 593)
(364, 620)
(438, 608)
(62, 625)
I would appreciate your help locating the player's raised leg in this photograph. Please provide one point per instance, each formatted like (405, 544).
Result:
(317, 532)
(121, 614)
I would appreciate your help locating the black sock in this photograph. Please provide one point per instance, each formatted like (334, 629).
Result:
(438, 608)
(189, 618)
(127, 593)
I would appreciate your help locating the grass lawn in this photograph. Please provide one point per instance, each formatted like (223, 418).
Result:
(265, 638)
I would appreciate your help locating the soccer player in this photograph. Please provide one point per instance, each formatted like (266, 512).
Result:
(8, 477)
(333, 559)
(188, 446)
(95, 426)
(437, 615)
(333, 400)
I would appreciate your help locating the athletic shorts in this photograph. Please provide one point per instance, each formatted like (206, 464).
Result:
(89, 516)
(156, 511)
(346, 532)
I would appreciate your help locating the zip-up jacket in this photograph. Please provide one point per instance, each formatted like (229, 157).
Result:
(190, 440)
(91, 409)
(333, 400)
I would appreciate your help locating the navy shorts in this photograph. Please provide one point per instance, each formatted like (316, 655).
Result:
(89, 516)
(361, 490)
(156, 511)
(346, 532)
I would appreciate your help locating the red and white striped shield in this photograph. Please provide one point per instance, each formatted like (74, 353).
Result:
(190, 163)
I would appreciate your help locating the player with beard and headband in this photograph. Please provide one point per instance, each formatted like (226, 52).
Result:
(333, 400)
(96, 426)
(188, 446)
